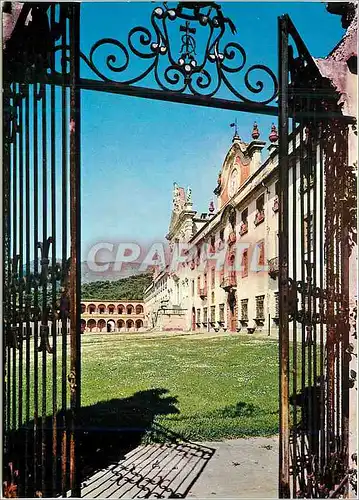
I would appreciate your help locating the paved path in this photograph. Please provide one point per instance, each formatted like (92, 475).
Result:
(240, 468)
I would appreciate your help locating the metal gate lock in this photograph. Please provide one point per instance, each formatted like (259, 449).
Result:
(72, 381)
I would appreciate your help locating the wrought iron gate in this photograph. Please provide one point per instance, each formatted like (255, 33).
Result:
(42, 310)
(42, 204)
(41, 251)
(316, 183)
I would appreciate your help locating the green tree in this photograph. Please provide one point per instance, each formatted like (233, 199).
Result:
(131, 288)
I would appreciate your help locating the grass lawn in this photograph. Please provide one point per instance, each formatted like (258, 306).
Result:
(203, 388)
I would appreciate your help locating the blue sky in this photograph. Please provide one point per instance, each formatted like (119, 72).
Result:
(134, 149)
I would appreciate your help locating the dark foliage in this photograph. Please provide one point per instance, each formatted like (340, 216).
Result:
(131, 288)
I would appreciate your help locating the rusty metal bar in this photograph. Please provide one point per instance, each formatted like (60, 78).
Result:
(294, 274)
(44, 289)
(314, 149)
(20, 277)
(14, 255)
(330, 284)
(8, 398)
(36, 286)
(338, 303)
(53, 276)
(343, 482)
(307, 279)
(302, 306)
(284, 433)
(321, 306)
(169, 96)
(75, 250)
(194, 100)
(345, 356)
(64, 215)
(6, 179)
(28, 297)
(21, 253)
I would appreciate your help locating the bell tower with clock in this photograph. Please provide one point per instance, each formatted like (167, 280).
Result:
(241, 161)
(233, 182)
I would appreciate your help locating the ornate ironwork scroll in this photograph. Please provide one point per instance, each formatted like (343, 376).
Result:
(184, 51)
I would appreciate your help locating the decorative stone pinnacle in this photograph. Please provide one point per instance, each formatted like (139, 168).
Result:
(235, 125)
(273, 136)
(211, 208)
(255, 131)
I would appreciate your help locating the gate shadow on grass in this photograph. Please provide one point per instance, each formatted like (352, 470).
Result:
(109, 429)
(106, 432)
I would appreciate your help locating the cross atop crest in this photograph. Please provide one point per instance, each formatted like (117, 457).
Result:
(188, 48)
(199, 61)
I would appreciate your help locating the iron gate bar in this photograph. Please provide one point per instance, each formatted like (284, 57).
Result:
(28, 284)
(21, 262)
(6, 222)
(306, 277)
(303, 444)
(345, 310)
(162, 95)
(294, 222)
(36, 284)
(213, 102)
(283, 126)
(321, 305)
(337, 393)
(64, 281)
(14, 258)
(316, 251)
(346, 331)
(53, 274)
(75, 251)
(43, 279)
(329, 279)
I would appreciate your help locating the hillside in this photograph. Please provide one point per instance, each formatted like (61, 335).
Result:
(131, 288)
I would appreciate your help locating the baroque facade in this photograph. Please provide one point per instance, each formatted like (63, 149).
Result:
(226, 276)
(216, 287)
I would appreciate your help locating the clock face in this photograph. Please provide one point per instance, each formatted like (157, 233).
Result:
(233, 182)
